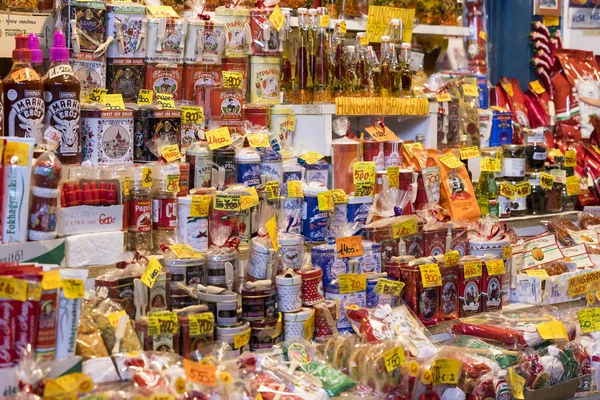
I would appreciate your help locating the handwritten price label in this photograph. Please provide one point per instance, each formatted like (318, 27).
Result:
(147, 180)
(200, 206)
(271, 226)
(386, 286)
(173, 183)
(450, 161)
(546, 181)
(24, 74)
(204, 374)
(192, 115)
(552, 330)
(95, 96)
(363, 189)
(272, 189)
(537, 87)
(184, 251)
(241, 339)
(339, 196)
(443, 97)
(570, 158)
(405, 228)
(507, 190)
(542, 273)
(202, 324)
(384, 134)
(343, 27)
(113, 102)
(311, 157)
(518, 384)
(589, 319)
(507, 252)
(472, 269)
(250, 200)
(394, 358)
(573, 186)
(446, 371)
(171, 153)
(350, 283)
(165, 101)
(162, 323)
(145, 97)
(51, 280)
(495, 267)
(350, 246)
(233, 79)
(325, 201)
(258, 140)
(60, 70)
(470, 90)
(226, 202)
(152, 271)
(324, 21)
(113, 318)
(409, 147)
(309, 326)
(218, 138)
(73, 288)
(294, 189)
(393, 174)
(12, 288)
(430, 275)
(277, 18)
(363, 40)
(469, 152)
(363, 172)
(523, 189)
(489, 164)
(451, 258)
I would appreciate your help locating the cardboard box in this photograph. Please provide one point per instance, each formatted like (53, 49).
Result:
(12, 24)
(89, 219)
(43, 252)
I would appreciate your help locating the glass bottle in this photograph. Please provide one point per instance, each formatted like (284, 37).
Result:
(568, 202)
(465, 141)
(406, 74)
(285, 80)
(350, 73)
(487, 194)
(303, 77)
(165, 185)
(313, 20)
(389, 65)
(374, 72)
(361, 83)
(139, 226)
(320, 88)
(536, 200)
(37, 57)
(554, 197)
(337, 64)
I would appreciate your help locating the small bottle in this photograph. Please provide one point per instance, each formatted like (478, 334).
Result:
(389, 65)
(165, 185)
(61, 94)
(374, 72)
(406, 74)
(321, 93)
(487, 194)
(337, 64)
(285, 80)
(362, 84)
(139, 226)
(303, 77)
(37, 57)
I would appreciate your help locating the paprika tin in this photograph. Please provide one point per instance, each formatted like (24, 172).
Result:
(279, 122)
(248, 167)
(422, 301)
(312, 286)
(460, 240)
(159, 295)
(358, 209)
(165, 79)
(314, 221)
(395, 264)
(120, 290)
(166, 40)
(162, 343)
(291, 248)
(237, 21)
(126, 77)
(190, 344)
(258, 304)
(225, 107)
(318, 172)
(257, 114)
(325, 257)
(289, 292)
(265, 333)
(491, 290)
(90, 71)
(373, 298)
(125, 23)
(293, 324)
(265, 38)
(187, 271)
(470, 276)
(205, 41)
(264, 79)
(373, 151)
(434, 239)
(325, 310)
(225, 158)
(196, 78)
(345, 299)
(107, 136)
(449, 305)
(292, 214)
(223, 305)
(192, 231)
(200, 157)
(228, 335)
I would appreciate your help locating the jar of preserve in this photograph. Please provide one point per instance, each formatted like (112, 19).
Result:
(536, 200)
(519, 204)
(536, 149)
(554, 198)
(513, 164)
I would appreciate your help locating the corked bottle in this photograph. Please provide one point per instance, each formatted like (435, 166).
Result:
(165, 185)
(139, 226)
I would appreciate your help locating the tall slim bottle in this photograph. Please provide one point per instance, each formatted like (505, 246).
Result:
(313, 21)
(285, 80)
(389, 67)
(320, 85)
(337, 64)
(374, 72)
(302, 94)
(61, 94)
(406, 73)
(362, 83)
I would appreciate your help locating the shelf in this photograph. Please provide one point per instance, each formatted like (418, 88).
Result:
(440, 30)
(352, 25)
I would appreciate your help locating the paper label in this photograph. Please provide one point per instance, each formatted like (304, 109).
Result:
(251, 200)
(14, 289)
(350, 246)
(233, 79)
(147, 182)
(324, 21)
(152, 271)
(325, 201)
(483, 35)
(95, 96)
(350, 283)
(537, 87)
(430, 275)
(73, 288)
(523, 189)
(24, 74)
(309, 326)
(311, 157)
(394, 358)
(507, 190)
(294, 189)
(291, 122)
(363, 189)
(170, 153)
(542, 273)
(550, 20)
(541, 251)
(201, 324)
(218, 138)
(162, 323)
(450, 161)
(200, 206)
(393, 174)
(446, 371)
(343, 27)
(184, 251)
(443, 97)
(589, 319)
(113, 318)
(272, 189)
(271, 226)
(145, 97)
(405, 228)
(469, 152)
(451, 258)
(489, 164)
(113, 102)
(226, 202)
(546, 180)
(570, 158)
(277, 18)
(60, 70)
(517, 382)
(495, 267)
(472, 269)
(552, 330)
(339, 196)
(165, 101)
(258, 140)
(204, 374)
(51, 280)
(20, 151)
(470, 90)
(386, 286)
(580, 284)
(573, 186)
(382, 135)
(579, 255)
(192, 115)
(241, 339)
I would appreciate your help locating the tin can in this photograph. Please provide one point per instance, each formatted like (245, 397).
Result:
(260, 259)
(90, 22)
(120, 290)
(159, 295)
(192, 231)
(394, 266)
(491, 291)
(422, 301)
(225, 158)
(370, 261)
(264, 79)
(225, 107)
(228, 334)
(142, 128)
(346, 299)
(205, 42)
(322, 328)
(279, 122)
(460, 240)
(237, 21)
(294, 324)
(107, 136)
(434, 240)
(373, 298)
(265, 38)
(312, 287)
(318, 172)
(126, 77)
(200, 158)
(152, 125)
(168, 343)
(289, 292)
(258, 304)
(187, 271)
(291, 248)
(314, 221)
(291, 172)
(340, 215)
(449, 305)
(257, 114)
(169, 47)
(128, 42)
(373, 151)
(223, 305)
(325, 257)
(292, 215)
(248, 167)
(241, 65)
(165, 78)
(193, 346)
(392, 156)
(469, 289)
(215, 266)
(198, 77)
(182, 301)
(265, 333)
(358, 209)
(271, 165)
(90, 71)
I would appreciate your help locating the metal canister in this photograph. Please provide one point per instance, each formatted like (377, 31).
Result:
(237, 21)
(200, 158)
(370, 261)
(312, 287)
(228, 335)
(314, 221)
(292, 214)
(264, 79)
(205, 41)
(424, 302)
(109, 136)
(292, 171)
(225, 158)
(289, 292)
(271, 165)
(216, 260)
(266, 333)
(223, 305)
(291, 248)
(295, 324)
(318, 172)
(325, 257)
(142, 126)
(257, 114)
(258, 304)
(358, 209)
(159, 295)
(278, 123)
(192, 231)
(325, 312)
(193, 346)
(373, 298)
(248, 167)
(345, 299)
(187, 271)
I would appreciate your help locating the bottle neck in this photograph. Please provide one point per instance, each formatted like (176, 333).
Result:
(19, 64)
(56, 63)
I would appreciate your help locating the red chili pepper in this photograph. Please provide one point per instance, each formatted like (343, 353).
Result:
(503, 335)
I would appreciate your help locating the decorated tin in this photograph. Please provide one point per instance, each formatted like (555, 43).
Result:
(291, 248)
(373, 298)
(358, 209)
(90, 22)
(271, 165)
(340, 215)
(394, 266)
(199, 156)
(265, 38)
(289, 292)
(260, 263)
(422, 301)
(225, 158)
(460, 240)
(279, 122)
(248, 167)
(373, 151)
(258, 304)
(294, 324)
(159, 295)
(325, 257)
(142, 127)
(107, 136)
(264, 79)
(205, 41)
(120, 290)
(223, 305)
(312, 286)
(127, 25)
(370, 261)
(257, 114)
(197, 77)
(292, 214)
(192, 231)
(392, 155)
(188, 271)
(166, 40)
(237, 21)
(89, 70)
(238, 64)
(165, 78)
(224, 107)
(449, 304)
(228, 335)
(193, 346)
(345, 299)
(126, 77)
(491, 290)
(151, 126)
(470, 271)
(318, 172)
(496, 248)
(266, 333)
(216, 258)
(168, 343)
(314, 222)
(434, 240)
(325, 310)
(291, 172)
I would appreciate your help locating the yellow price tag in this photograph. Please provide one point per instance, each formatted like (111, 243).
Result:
(145, 97)
(386, 286)
(549, 20)
(495, 267)
(250, 200)
(73, 288)
(325, 201)
(472, 269)
(162, 323)
(147, 181)
(184, 251)
(589, 319)
(227, 202)
(113, 318)
(546, 181)
(450, 161)
(443, 97)
(507, 190)
(152, 271)
(483, 35)
(113, 102)
(201, 373)
(258, 140)
(405, 228)
(200, 206)
(170, 153)
(294, 189)
(446, 371)
(538, 272)
(364, 172)
(51, 280)
(233, 79)
(469, 152)
(162, 396)
(218, 138)
(517, 382)
(451, 258)
(241, 339)
(350, 283)
(522, 189)
(552, 330)
(192, 115)
(162, 11)
(470, 90)
(409, 147)
(12, 288)
(570, 158)
(277, 18)
(95, 96)
(393, 174)
(489, 164)
(507, 86)
(271, 226)
(350, 246)
(201, 324)
(343, 27)
(291, 122)
(309, 326)
(537, 87)
(507, 252)
(364, 40)
(394, 358)
(311, 157)
(165, 101)
(272, 189)
(430, 275)
(382, 135)
(173, 183)
(339, 196)
(324, 21)
(18, 150)
(573, 186)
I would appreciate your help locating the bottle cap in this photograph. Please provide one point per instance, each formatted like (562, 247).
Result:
(21, 51)
(59, 51)
(34, 47)
(385, 38)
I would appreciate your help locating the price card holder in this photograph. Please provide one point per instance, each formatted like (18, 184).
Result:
(350, 283)
(350, 246)
(152, 271)
(430, 275)
(218, 138)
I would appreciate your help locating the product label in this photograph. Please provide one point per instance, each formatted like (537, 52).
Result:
(394, 358)
(140, 216)
(579, 255)
(201, 324)
(164, 214)
(201, 373)
(430, 275)
(472, 269)
(63, 115)
(541, 251)
(26, 115)
(226, 202)
(350, 283)
(349, 246)
(311, 157)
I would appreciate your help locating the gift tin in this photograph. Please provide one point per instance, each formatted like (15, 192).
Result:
(289, 292)
(370, 261)
(192, 231)
(318, 172)
(128, 26)
(216, 258)
(258, 304)
(228, 335)
(496, 248)
(434, 240)
(470, 272)
(257, 114)
(264, 79)
(266, 333)
(394, 266)
(205, 41)
(166, 40)
(460, 240)
(312, 286)
(187, 271)
(322, 310)
(89, 70)
(90, 21)
(107, 136)
(223, 305)
(165, 79)
(340, 215)
(197, 77)
(150, 127)
(237, 21)
(279, 122)
(238, 64)
(291, 172)
(126, 77)
(261, 259)
(358, 209)
(248, 167)
(314, 221)
(292, 215)
(193, 346)
(358, 298)
(325, 257)
(271, 165)
(225, 158)
(224, 107)
(422, 301)
(142, 127)
(291, 248)
(491, 291)
(200, 158)
(449, 304)
(294, 324)
(168, 343)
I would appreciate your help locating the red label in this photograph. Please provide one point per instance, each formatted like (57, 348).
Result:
(26, 326)
(164, 214)
(7, 322)
(46, 334)
(140, 216)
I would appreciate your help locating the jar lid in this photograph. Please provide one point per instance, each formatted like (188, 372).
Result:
(269, 155)
(301, 315)
(314, 273)
(258, 244)
(533, 175)
(199, 149)
(323, 248)
(183, 262)
(232, 330)
(222, 10)
(258, 292)
(220, 254)
(264, 60)
(319, 165)
(288, 280)
(359, 200)
(513, 147)
(218, 297)
(162, 171)
(490, 151)
(280, 110)
(247, 154)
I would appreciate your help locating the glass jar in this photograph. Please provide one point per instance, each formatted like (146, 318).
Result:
(554, 198)
(493, 152)
(536, 200)
(513, 164)
(139, 226)
(165, 185)
(505, 205)
(536, 149)
(519, 204)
